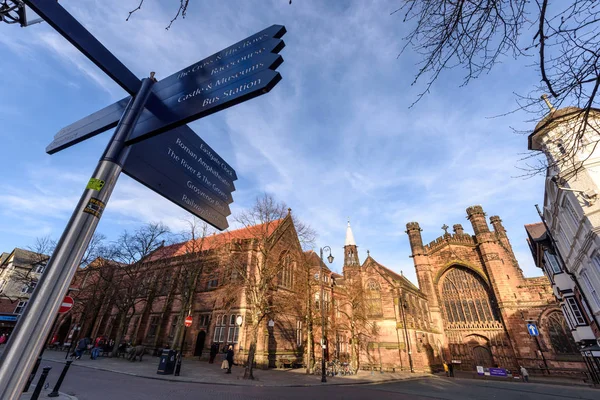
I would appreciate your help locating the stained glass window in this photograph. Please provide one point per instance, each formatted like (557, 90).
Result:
(559, 335)
(465, 297)
(373, 297)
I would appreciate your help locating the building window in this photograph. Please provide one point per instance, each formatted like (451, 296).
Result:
(591, 289)
(299, 341)
(153, 326)
(203, 320)
(213, 283)
(29, 287)
(576, 311)
(571, 211)
(596, 262)
(559, 335)
(284, 277)
(39, 268)
(373, 297)
(552, 263)
(234, 329)
(219, 334)
(20, 307)
(564, 241)
(466, 297)
(174, 322)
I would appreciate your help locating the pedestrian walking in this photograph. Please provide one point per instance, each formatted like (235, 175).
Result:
(451, 370)
(525, 374)
(81, 348)
(214, 350)
(229, 358)
(446, 370)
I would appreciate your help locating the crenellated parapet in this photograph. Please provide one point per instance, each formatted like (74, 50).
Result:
(461, 239)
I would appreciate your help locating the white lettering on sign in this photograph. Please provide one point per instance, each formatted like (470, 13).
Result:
(242, 88)
(219, 82)
(197, 67)
(201, 210)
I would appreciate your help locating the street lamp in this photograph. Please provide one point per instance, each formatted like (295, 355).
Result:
(402, 304)
(330, 259)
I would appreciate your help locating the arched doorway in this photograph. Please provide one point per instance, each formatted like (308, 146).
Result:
(483, 356)
(200, 343)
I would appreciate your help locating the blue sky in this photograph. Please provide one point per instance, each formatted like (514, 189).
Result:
(335, 139)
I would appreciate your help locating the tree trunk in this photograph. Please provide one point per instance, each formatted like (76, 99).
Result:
(248, 373)
(309, 348)
(119, 334)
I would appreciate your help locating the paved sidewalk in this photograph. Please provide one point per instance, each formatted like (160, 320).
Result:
(193, 370)
(549, 380)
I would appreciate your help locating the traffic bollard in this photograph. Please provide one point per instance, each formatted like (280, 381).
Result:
(40, 384)
(32, 375)
(60, 380)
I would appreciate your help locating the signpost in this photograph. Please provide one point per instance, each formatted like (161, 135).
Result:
(66, 305)
(178, 165)
(186, 324)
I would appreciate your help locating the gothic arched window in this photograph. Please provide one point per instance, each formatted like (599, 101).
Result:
(559, 335)
(373, 297)
(466, 298)
(286, 269)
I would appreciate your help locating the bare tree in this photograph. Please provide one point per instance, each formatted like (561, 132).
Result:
(265, 279)
(477, 34)
(356, 317)
(192, 265)
(131, 251)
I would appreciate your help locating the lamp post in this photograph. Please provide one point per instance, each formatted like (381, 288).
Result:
(402, 305)
(330, 259)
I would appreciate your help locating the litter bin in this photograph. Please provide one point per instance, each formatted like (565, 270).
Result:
(167, 362)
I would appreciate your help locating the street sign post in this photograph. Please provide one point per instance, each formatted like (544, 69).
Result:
(66, 305)
(225, 66)
(236, 74)
(532, 329)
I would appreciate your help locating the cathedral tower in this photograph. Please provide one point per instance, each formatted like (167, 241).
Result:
(350, 249)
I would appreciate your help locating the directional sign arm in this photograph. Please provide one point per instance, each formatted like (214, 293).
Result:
(65, 24)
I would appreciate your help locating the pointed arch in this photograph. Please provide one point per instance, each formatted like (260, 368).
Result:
(460, 263)
(373, 298)
(465, 297)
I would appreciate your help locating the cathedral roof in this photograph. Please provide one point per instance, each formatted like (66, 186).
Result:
(393, 275)
(349, 237)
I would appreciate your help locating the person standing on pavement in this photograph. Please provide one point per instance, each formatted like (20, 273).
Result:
(446, 369)
(229, 358)
(525, 374)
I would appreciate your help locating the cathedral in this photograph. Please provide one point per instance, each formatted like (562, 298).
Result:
(471, 307)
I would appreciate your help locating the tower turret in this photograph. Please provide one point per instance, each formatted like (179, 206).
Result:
(476, 215)
(414, 237)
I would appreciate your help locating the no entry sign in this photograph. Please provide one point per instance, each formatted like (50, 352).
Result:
(188, 321)
(66, 305)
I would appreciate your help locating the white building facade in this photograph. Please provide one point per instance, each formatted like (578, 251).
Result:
(571, 213)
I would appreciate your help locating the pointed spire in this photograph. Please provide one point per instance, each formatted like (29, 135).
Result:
(349, 236)
(550, 106)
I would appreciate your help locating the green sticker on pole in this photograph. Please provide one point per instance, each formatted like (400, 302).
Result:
(95, 184)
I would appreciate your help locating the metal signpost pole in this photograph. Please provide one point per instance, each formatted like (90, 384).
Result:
(28, 337)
